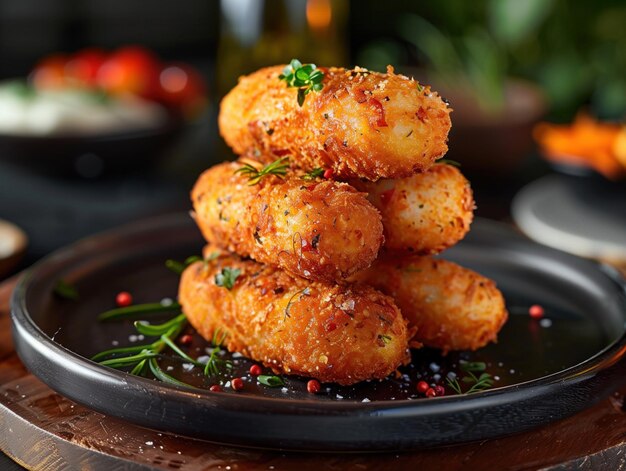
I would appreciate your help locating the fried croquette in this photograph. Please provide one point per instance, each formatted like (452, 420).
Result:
(323, 230)
(361, 124)
(425, 213)
(451, 307)
(339, 334)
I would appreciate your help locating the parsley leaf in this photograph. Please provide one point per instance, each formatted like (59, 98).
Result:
(227, 277)
(306, 78)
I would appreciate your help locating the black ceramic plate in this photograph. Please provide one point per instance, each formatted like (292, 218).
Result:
(543, 370)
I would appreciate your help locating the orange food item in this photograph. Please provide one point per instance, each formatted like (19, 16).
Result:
(318, 230)
(361, 124)
(586, 142)
(49, 73)
(425, 213)
(334, 333)
(449, 306)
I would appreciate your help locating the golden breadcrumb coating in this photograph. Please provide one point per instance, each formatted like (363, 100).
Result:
(340, 334)
(451, 307)
(362, 124)
(425, 213)
(322, 230)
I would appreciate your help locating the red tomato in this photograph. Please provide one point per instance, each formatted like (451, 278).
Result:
(49, 72)
(183, 88)
(83, 66)
(130, 69)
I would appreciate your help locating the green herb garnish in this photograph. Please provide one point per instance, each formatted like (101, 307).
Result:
(476, 383)
(65, 290)
(385, 339)
(140, 358)
(278, 167)
(215, 364)
(270, 381)
(179, 267)
(227, 277)
(132, 311)
(313, 174)
(305, 77)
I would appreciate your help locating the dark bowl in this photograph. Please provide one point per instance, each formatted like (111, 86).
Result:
(91, 155)
(545, 371)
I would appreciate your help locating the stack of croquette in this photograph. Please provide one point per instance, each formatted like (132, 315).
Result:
(321, 236)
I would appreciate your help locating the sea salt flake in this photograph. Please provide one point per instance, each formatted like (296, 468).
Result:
(545, 323)
(366, 400)
(204, 359)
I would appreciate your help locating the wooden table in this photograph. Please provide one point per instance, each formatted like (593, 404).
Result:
(44, 431)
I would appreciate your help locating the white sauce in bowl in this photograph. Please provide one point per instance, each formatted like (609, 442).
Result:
(26, 112)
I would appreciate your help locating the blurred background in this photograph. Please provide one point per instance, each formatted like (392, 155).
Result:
(78, 162)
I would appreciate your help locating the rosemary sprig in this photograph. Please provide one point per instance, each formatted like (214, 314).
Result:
(313, 174)
(142, 357)
(121, 357)
(306, 78)
(215, 364)
(278, 167)
(476, 383)
(157, 329)
(163, 376)
(132, 311)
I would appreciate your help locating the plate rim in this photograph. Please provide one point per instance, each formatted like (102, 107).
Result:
(251, 404)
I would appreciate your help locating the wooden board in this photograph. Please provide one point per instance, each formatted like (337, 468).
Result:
(44, 431)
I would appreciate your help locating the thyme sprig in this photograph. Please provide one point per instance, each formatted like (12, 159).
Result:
(278, 167)
(476, 383)
(306, 78)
